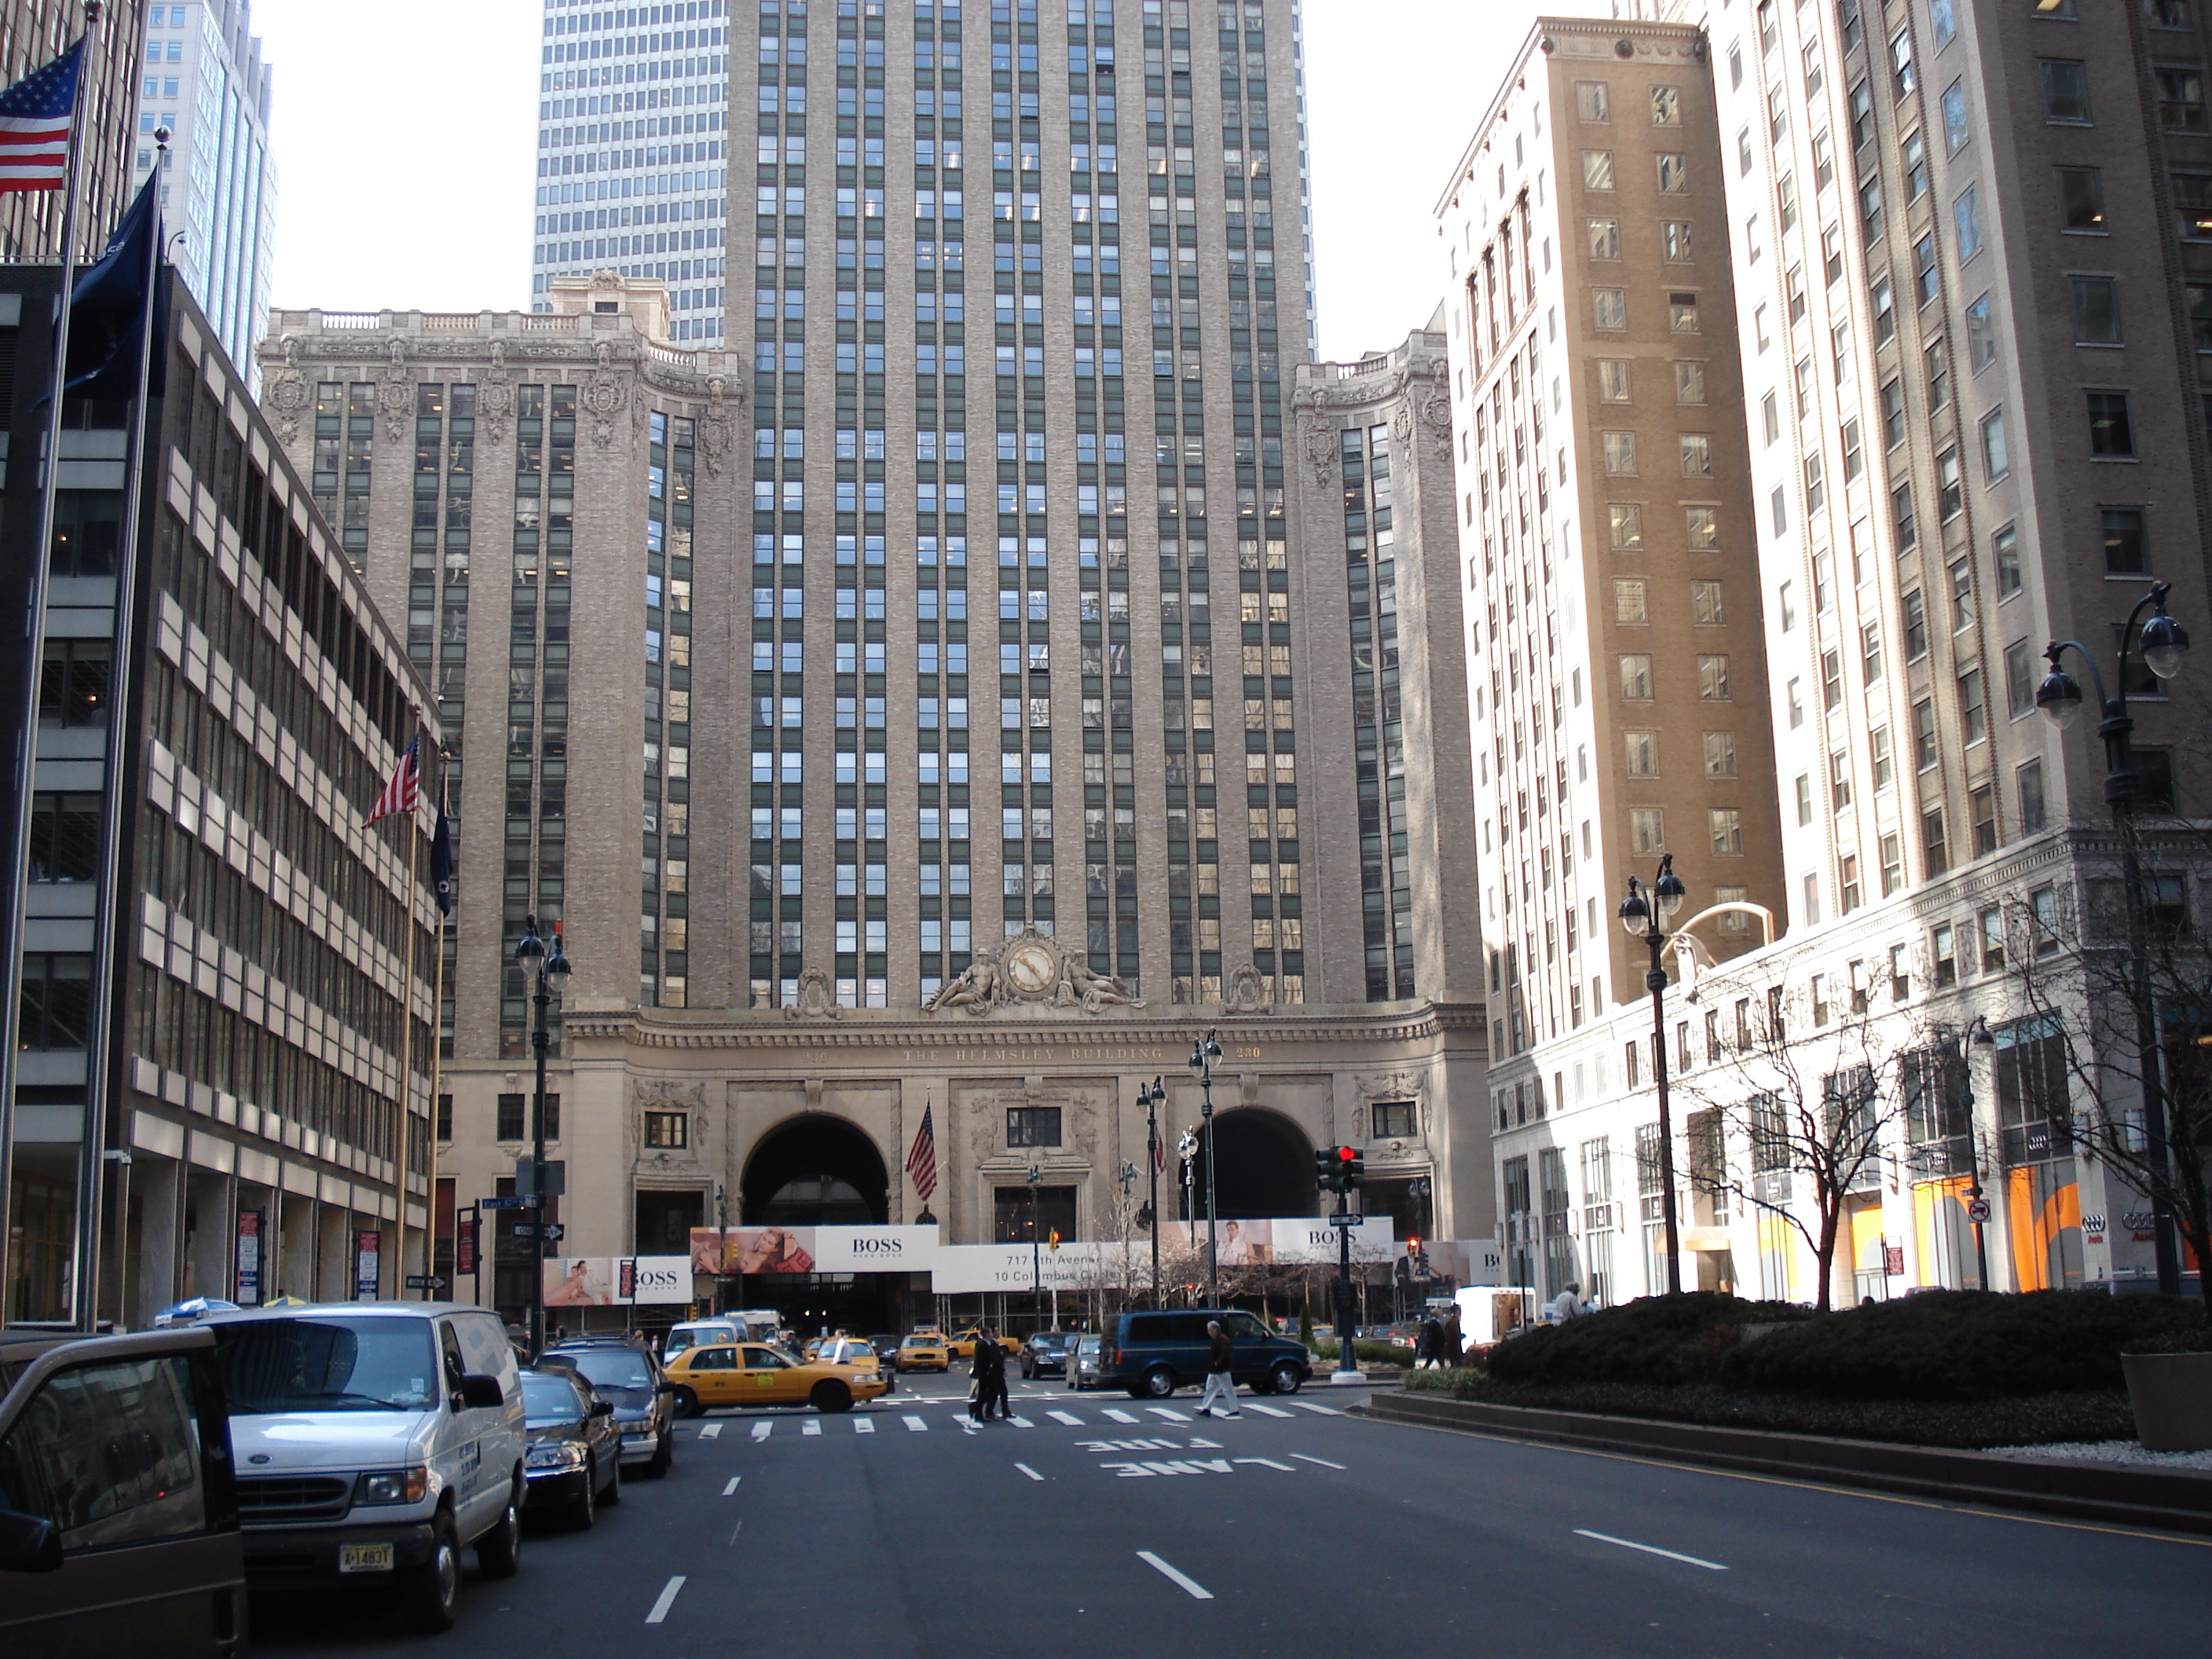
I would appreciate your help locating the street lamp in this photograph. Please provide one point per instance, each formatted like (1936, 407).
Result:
(551, 967)
(1036, 1261)
(1202, 1056)
(1978, 1036)
(2162, 643)
(1640, 917)
(1187, 1151)
(1151, 1097)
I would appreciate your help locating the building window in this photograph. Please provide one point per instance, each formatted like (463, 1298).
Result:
(2181, 101)
(2066, 90)
(2096, 310)
(1705, 606)
(1629, 606)
(1942, 946)
(1642, 751)
(1847, 897)
(1597, 169)
(1793, 700)
(1033, 1125)
(1983, 801)
(1703, 526)
(1620, 449)
(1924, 735)
(514, 1117)
(1592, 102)
(1394, 1120)
(2192, 205)
(2124, 551)
(1674, 175)
(668, 1131)
(1720, 754)
(2110, 431)
(1727, 824)
(1878, 757)
(1973, 718)
(1697, 454)
(1956, 131)
(445, 1128)
(2082, 199)
(1636, 678)
(1966, 220)
(1996, 457)
(2019, 680)
(1804, 798)
(1682, 313)
(55, 1007)
(1666, 107)
(2029, 782)
(1689, 382)
(1892, 866)
(1713, 677)
(1647, 829)
(1624, 526)
(1934, 843)
(1613, 381)
(1981, 335)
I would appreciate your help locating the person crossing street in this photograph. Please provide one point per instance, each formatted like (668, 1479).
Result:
(1219, 1355)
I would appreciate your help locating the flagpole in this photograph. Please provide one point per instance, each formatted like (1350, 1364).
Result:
(100, 1124)
(34, 651)
(437, 1065)
(414, 824)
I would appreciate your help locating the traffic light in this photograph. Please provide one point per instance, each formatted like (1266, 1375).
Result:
(1325, 1168)
(1350, 1169)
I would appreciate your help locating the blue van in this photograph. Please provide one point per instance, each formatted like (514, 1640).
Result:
(1154, 1354)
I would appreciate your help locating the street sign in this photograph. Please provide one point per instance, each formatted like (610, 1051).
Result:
(510, 1201)
(1978, 1210)
(1345, 1220)
(545, 1229)
(557, 1177)
(426, 1281)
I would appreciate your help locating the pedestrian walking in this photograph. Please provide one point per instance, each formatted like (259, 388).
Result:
(1567, 1304)
(995, 1377)
(1219, 1357)
(979, 1372)
(1431, 1350)
(1454, 1342)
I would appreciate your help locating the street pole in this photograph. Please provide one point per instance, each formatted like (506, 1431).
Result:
(2164, 643)
(1036, 1261)
(1202, 1056)
(551, 971)
(1347, 1327)
(1152, 1098)
(1642, 917)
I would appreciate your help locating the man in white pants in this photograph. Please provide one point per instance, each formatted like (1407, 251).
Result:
(1219, 1355)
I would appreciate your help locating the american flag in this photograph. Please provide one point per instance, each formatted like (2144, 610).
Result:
(35, 116)
(404, 793)
(921, 1161)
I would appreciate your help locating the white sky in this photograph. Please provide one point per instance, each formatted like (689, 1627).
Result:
(419, 196)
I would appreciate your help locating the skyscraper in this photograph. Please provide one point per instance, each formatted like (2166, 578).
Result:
(774, 636)
(36, 32)
(634, 149)
(203, 79)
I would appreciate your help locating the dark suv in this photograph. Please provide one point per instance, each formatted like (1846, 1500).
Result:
(630, 1377)
(1152, 1354)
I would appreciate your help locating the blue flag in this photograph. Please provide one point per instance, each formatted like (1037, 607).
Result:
(441, 862)
(107, 310)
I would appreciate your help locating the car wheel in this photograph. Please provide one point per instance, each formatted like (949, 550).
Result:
(584, 1513)
(1287, 1378)
(687, 1403)
(499, 1551)
(613, 1493)
(430, 1594)
(1159, 1383)
(831, 1397)
(664, 1456)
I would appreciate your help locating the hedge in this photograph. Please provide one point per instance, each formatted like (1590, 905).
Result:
(1653, 1340)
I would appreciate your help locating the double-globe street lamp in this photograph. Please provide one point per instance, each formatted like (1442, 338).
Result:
(1641, 916)
(1203, 1054)
(2162, 643)
(1151, 1096)
(551, 967)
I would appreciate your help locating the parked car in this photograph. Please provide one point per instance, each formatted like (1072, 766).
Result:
(573, 1463)
(924, 1350)
(699, 1333)
(118, 1510)
(644, 1401)
(1084, 1357)
(753, 1373)
(1046, 1351)
(1154, 1354)
(375, 1440)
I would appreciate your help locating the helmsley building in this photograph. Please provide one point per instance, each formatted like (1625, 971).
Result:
(953, 709)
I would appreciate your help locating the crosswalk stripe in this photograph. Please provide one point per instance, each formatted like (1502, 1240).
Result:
(811, 1426)
(863, 1425)
(762, 1428)
(915, 1423)
(1309, 1406)
(1069, 1417)
(1266, 1411)
(711, 1432)
(1021, 1423)
(1171, 1416)
(1121, 1417)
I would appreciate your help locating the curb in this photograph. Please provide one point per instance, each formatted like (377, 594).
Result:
(2170, 1500)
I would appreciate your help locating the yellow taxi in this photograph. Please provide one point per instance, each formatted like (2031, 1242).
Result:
(924, 1351)
(963, 1343)
(754, 1374)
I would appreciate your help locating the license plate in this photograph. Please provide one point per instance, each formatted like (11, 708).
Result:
(364, 1557)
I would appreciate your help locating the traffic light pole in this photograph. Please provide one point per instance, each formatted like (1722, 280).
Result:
(1348, 1362)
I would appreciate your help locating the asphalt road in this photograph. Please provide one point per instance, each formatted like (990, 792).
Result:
(1289, 1529)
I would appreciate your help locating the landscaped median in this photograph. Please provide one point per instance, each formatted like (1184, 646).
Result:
(1901, 1397)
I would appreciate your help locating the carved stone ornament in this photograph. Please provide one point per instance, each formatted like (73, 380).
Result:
(1321, 444)
(1402, 428)
(1248, 993)
(286, 399)
(395, 394)
(1033, 970)
(496, 404)
(603, 397)
(715, 426)
(1391, 1085)
(816, 999)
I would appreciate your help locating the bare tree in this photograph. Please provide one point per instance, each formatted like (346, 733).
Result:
(1796, 1120)
(2078, 1070)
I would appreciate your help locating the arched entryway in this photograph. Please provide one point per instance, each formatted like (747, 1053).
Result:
(1264, 1165)
(817, 1172)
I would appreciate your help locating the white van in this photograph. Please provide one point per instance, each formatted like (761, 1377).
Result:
(373, 1441)
(703, 1333)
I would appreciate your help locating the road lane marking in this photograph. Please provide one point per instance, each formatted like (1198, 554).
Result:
(1323, 1462)
(1121, 1417)
(811, 1426)
(1171, 1416)
(667, 1600)
(1021, 1422)
(1309, 1406)
(1197, 1589)
(1266, 1462)
(733, 1486)
(863, 1425)
(1069, 1417)
(1029, 1472)
(1648, 1549)
(917, 1425)
(711, 1432)
(762, 1428)
(1266, 1411)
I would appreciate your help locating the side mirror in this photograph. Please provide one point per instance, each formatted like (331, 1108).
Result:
(603, 1409)
(28, 1543)
(480, 1391)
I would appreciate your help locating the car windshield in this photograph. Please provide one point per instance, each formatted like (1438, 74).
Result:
(922, 1342)
(326, 1364)
(609, 1368)
(549, 1400)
